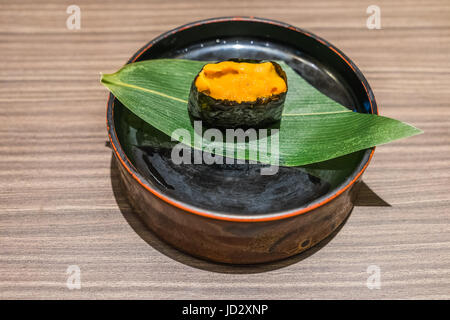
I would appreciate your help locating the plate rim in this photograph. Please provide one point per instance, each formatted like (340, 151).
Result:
(271, 216)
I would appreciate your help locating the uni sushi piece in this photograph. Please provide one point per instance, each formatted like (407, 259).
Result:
(238, 93)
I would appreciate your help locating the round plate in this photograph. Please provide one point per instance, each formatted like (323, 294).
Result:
(239, 192)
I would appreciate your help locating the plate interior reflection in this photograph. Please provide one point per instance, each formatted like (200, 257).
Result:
(238, 188)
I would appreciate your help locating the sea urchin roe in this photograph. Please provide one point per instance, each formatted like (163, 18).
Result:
(240, 81)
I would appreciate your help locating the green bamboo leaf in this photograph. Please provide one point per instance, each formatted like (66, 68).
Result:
(313, 127)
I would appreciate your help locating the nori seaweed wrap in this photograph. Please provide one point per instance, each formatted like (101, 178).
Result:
(238, 93)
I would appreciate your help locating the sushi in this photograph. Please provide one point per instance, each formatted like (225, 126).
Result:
(238, 93)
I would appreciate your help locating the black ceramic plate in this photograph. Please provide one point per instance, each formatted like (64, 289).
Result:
(240, 192)
(239, 189)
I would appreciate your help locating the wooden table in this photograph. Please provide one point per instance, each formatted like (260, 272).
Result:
(60, 204)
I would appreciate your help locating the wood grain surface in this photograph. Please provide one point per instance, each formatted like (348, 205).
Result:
(60, 203)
